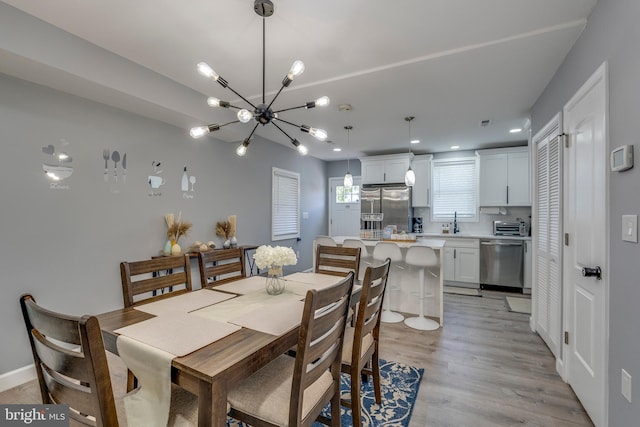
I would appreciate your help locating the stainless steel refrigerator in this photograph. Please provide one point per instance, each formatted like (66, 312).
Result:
(393, 201)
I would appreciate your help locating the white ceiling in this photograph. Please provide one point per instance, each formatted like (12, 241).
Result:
(449, 63)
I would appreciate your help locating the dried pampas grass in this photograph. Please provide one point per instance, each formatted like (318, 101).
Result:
(223, 229)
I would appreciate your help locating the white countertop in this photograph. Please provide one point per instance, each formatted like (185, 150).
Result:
(431, 243)
(470, 236)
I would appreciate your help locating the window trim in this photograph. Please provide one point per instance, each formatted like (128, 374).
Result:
(434, 164)
(294, 229)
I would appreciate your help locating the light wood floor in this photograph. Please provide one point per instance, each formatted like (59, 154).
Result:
(484, 368)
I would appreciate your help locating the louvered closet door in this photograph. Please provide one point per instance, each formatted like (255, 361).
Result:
(548, 283)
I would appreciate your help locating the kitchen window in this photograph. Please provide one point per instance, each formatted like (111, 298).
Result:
(455, 189)
(285, 204)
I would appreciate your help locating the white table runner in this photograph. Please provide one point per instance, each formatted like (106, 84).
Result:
(184, 303)
(244, 286)
(274, 319)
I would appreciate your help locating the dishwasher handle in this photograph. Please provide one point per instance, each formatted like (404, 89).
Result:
(501, 244)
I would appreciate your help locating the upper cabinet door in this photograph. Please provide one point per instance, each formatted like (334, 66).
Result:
(389, 169)
(421, 191)
(504, 177)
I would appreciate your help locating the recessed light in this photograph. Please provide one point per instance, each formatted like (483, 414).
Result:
(455, 147)
(515, 130)
(337, 149)
(415, 141)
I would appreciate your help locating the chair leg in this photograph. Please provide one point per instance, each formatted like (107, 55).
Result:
(355, 397)
(376, 377)
(132, 381)
(335, 407)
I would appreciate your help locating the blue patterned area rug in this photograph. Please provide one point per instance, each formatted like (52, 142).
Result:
(399, 383)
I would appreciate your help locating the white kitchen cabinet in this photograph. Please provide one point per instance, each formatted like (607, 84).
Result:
(421, 191)
(384, 169)
(527, 266)
(462, 261)
(504, 177)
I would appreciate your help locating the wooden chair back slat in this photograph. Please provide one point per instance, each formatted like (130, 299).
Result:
(168, 272)
(371, 298)
(221, 266)
(337, 260)
(81, 381)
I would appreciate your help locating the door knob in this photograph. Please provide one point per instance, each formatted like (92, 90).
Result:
(592, 272)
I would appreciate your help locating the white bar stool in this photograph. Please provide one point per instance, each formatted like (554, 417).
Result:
(424, 257)
(381, 252)
(364, 254)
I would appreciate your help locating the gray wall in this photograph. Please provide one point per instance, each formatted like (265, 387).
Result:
(339, 168)
(612, 35)
(65, 245)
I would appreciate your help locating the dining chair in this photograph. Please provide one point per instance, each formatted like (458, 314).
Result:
(321, 241)
(71, 363)
(364, 253)
(154, 279)
(72, 368)
(221, 266)
(293, 391)
(337, 260)
(360, 351)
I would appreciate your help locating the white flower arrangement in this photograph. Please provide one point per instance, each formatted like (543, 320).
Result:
(269, 256)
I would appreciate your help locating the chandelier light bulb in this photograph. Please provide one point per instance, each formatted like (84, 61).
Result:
(241, 150)
(322, 101)
(245, 115)
(213, 102)
(53, 176)
(199, 132)
(303, 150)
(296, 69)
(348, 180)
(318, 133)
(207, 71)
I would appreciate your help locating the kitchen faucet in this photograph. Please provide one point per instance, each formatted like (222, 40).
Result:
(456, 230)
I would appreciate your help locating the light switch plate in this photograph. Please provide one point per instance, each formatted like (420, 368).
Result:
(305, 215)
(626, 385)
(630, 228)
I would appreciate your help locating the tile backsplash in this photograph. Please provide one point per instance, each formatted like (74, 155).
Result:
(483, 226)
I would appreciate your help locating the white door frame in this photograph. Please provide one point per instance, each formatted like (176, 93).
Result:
(600, 74)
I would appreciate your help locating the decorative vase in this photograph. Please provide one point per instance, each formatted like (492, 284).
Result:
(226, 244)
(167, 248)
(234, 242)
(275, 283)
(176, 249)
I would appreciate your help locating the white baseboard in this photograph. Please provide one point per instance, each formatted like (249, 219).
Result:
(15, 378)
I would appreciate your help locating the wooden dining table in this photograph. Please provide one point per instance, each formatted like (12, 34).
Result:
(212, 370)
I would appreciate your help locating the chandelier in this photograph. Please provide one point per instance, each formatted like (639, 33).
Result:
(409, 176)
(262, 113)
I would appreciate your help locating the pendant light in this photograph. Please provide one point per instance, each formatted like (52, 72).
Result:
(409, 176)
(348, 178)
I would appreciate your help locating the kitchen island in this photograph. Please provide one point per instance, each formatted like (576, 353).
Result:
(403, 279)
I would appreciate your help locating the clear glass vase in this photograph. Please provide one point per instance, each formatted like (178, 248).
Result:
(275, 283)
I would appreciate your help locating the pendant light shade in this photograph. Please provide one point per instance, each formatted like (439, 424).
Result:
(348, 178)
(409, 176)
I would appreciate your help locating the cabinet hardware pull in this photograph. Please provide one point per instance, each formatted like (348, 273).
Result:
(507, 194)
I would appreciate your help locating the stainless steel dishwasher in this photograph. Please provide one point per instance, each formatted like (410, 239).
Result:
(501, 262)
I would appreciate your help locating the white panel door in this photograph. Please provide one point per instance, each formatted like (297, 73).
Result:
(344, 217)
(585, 120)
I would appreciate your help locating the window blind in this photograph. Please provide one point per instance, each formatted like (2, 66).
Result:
(455, 189)
(285, 204)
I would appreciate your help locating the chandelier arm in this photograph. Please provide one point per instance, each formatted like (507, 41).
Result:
(292, 108)
(282, 130)
(242, 97)
(274, 98)
(228, 123)
(287, 122)
(254, 129)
